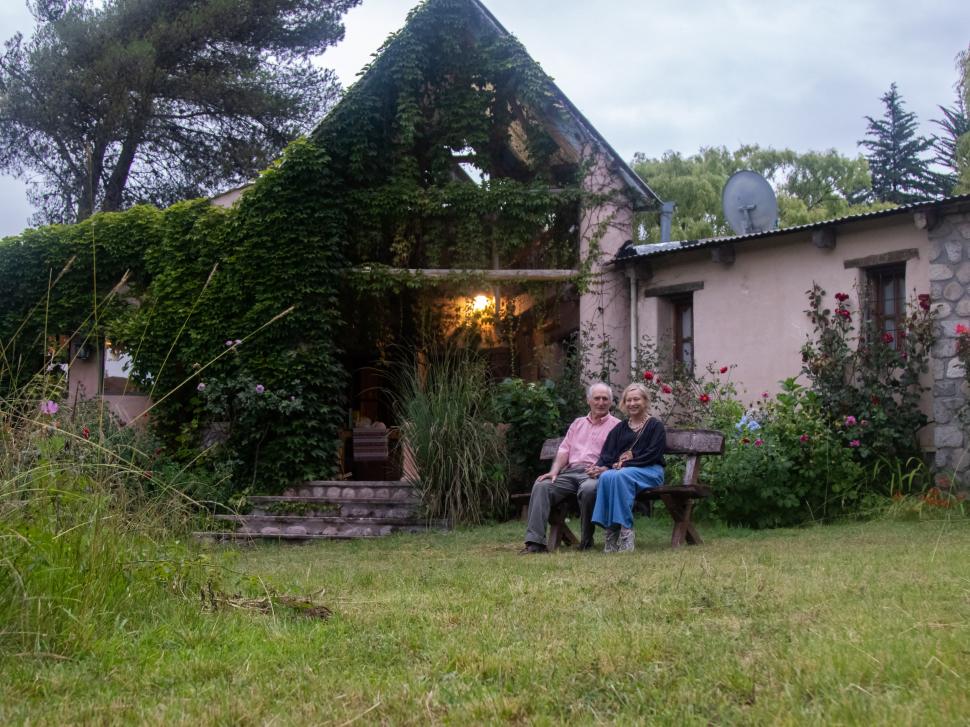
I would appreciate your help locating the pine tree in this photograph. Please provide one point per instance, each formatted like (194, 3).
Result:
(900, 174)
(116, 102)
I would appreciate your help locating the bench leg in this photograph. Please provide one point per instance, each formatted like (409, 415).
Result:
(559, 531)
(680, 510)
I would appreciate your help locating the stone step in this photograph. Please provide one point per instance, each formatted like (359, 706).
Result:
(392, 489)
(335, 520)
(335, 507)
(221, 536)
(328, 526)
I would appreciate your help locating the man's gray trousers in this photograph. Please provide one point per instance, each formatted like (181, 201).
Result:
(571, 482)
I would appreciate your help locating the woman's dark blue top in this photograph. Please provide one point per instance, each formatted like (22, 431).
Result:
(648, 450)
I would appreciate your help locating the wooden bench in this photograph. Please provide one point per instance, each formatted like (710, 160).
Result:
(678, 499)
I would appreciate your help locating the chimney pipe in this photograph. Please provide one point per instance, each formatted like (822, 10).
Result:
(666, 220)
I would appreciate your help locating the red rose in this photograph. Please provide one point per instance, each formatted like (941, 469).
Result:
(704, 398)
(724, 369)
(666, 389)
(86, 433)
(841, 297)
(844, 313)
(924, 301)
(648, 375)
(887, 338)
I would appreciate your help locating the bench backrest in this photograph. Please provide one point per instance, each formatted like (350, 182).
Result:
(549, 448)
(690, 442)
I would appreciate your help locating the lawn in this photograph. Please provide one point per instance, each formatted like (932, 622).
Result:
(846, 624)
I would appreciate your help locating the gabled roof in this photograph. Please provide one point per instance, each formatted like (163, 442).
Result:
(570, 125)
(651, 250)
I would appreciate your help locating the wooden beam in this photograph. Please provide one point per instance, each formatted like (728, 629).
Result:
(512, 274)
(723, 254)
(886, 258)
(824, 238)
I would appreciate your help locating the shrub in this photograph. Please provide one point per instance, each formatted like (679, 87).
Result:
(530, 410)
(784, 464)
(869, 380)
(448, 420)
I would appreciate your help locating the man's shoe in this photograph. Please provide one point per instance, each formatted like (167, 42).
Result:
(612, 540)
(625, 544)
(533, 548)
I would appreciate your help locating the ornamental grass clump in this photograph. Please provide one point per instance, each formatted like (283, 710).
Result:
(448, 422)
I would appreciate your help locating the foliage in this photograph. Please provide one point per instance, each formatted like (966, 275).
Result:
(378, 184)
(112, 104)
(900, 173)
(810, 186)
(448, 420)
(681, 398)
(89, 532)
(869, 380)
(785, 464)
(529, 408)
(962, 150)
(954, 125)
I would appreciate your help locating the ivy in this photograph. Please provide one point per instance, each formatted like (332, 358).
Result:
(305, 267)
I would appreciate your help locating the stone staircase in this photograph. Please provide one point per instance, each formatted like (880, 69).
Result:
(330, 510)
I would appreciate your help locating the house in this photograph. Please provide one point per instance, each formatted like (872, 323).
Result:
(528, 135)
(741, 300)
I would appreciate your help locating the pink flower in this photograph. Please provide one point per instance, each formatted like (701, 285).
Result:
(962, 330)
(764, 394)
(260, 388)
(49, 408)
(237, 341)
(758, 442)
(841, 297)
(887, 338)
(924, 301)
(850, 421)
(648, 375)
(703, 398)
(803, 439)
(724, 369)
(855, 443)
(228, 342)
(666, 389)
(200, 387)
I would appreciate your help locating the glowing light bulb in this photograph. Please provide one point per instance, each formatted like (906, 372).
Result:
(480, 303)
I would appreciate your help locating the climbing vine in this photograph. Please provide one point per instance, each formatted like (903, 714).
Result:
(449, 152)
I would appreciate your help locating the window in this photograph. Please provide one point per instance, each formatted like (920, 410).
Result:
(117, 372)
(887, 298)
(683, 310)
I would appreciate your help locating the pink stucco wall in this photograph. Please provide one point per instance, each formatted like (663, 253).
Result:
(604, 310)
(84, 383)
(750, 313)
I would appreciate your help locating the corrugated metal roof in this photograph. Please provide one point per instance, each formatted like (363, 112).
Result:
(635, 252)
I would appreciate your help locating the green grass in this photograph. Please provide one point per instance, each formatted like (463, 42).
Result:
(847, 624)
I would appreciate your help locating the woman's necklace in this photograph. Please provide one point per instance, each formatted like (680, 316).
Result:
(636, 427)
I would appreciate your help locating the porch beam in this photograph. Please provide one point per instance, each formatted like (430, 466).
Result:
(486, 274)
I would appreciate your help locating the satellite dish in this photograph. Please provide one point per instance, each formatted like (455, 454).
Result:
(749, 203)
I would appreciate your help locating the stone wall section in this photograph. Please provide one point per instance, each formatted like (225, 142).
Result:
(950, 292)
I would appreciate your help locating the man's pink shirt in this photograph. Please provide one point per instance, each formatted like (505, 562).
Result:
(584, 439)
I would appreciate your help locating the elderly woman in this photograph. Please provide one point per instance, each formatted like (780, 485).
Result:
(631, 461)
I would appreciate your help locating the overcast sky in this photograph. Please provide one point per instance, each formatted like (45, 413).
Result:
(657, 76)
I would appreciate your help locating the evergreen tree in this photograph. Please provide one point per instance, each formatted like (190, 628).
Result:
(115, 102)
(954, 125)
(900, 174)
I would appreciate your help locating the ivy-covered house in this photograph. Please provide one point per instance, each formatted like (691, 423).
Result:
(454, 194)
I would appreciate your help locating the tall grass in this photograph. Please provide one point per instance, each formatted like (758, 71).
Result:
(445, 406)
(88, 540)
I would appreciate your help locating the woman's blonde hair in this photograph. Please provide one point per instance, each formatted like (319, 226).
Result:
(644, 392)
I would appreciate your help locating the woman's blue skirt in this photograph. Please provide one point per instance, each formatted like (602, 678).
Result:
(616, 491)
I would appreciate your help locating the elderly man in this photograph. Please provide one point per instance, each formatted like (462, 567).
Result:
(569, 476)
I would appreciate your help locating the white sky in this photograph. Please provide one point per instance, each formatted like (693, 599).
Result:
(653, 76)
